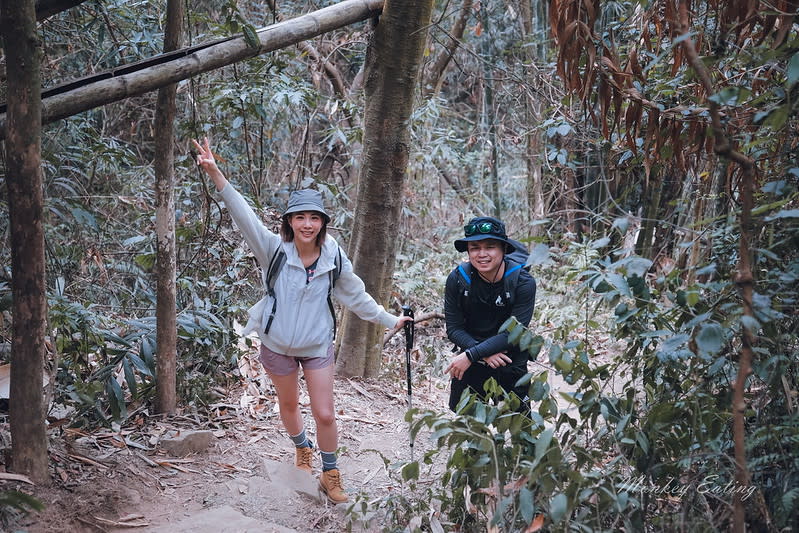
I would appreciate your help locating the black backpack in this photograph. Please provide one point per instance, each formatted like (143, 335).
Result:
(276, 265)
(517, 261)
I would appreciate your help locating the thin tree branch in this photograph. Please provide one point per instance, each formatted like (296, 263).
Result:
(418, 320)
(744, 277)
(435, 73)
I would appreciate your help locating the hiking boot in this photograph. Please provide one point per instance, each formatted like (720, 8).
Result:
(330, 483)
(304, 458)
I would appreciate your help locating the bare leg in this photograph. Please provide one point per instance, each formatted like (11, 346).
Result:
(288, 400)
(320, 389)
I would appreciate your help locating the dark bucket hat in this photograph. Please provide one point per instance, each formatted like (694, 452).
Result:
(306, 200)
(481, 228)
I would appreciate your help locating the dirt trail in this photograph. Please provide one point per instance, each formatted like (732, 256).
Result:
(115, 481)
(246, 480)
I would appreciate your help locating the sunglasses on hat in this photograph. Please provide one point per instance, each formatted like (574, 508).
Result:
(482, 227)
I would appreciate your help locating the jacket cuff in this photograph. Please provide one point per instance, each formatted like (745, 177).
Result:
(388, 320)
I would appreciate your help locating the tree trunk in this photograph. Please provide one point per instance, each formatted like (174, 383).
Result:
(133, 80)
(165, 267)
(532, 114)
(489, 115)
(23, 52)
(392, 68)
(649, 218)
(434, 76)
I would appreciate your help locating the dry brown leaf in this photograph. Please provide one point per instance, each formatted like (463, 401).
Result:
(255, 439)
(129, 517)
(15, 477)
(536, 524)
(169, 464)
(119, 524)
(358, 387)
(87, 460)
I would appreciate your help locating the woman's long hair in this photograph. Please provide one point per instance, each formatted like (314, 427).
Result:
(287, 233)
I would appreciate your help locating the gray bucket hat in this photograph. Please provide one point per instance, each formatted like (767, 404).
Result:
(306, 200)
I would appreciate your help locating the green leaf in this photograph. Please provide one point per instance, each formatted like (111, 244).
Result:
(637, 266)
(130, 377)
(524, 380)
(508, 324)
(441, 432)
(673, 343)
(790, 499)
(543, 442)
(251, 36)
(534, 347)
(622, 224)
(527, 338)
(750, 322)
(145, 261)
(564, 363)
(709, 339)
(792, 71)
(140, 365)
(526, 505)
(515, 334)
(558, 506)
(117, 399)
(539, 255)
(410, 471)
(85, 218)
(642, 441)
(785, 213)
(554, 353)
(538, 390)
(548, 407)
(134, 240)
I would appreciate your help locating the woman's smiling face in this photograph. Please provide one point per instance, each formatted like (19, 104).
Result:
(306, 225)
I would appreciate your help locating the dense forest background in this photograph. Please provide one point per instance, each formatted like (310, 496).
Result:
(646, 153)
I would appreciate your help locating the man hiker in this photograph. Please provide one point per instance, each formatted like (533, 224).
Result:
(480, 295)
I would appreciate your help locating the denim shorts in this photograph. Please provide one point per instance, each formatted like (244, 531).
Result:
(283, 365)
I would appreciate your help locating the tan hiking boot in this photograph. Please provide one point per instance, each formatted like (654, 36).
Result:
(304, 458)
(330, 483)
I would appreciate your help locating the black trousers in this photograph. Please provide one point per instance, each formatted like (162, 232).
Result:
(477, 374)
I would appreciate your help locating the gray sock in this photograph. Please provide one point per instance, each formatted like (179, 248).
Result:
(328, 460)
(301, 440)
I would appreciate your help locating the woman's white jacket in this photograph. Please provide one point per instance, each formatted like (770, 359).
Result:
(303, 325)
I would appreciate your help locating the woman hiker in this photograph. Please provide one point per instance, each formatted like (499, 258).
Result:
(295, 325)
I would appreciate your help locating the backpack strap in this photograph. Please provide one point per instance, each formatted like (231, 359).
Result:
(510, 280)
(275, 266)
(462, 269)
(464, 282)
(334, 275)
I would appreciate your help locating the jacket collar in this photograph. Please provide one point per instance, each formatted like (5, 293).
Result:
(326, 258)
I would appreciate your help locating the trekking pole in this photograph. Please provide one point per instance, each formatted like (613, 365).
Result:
(407, 311)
